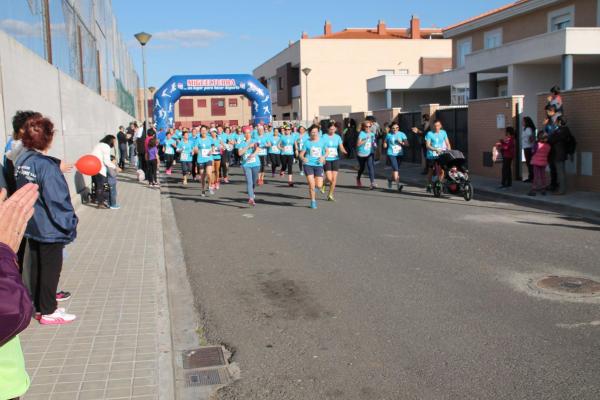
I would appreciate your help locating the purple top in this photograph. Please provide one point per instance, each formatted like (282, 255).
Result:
(152, 153)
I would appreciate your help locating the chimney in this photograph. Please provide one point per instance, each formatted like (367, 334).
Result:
(415, 27)
(327, 30)
(381, 29)
(304, 35)
(290, 43)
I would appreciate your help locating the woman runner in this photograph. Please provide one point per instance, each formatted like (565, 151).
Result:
(185, 148)
(274, 151)
(204, 151)
(333, 145)
(216, 158)
(226, 155)
(287, 147)
(248, 150)
(169, 150)
(301, 139)
(313, 156)
(365, 151)
(394, 142)
(262, 138)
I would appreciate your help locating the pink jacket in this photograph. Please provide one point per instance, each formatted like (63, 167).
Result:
(540, 157)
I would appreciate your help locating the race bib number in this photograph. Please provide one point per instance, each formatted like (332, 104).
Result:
(288, 149)
(367, 145)
(228, 147)
(205, 152)
(185, 156)
(169, 150)
(332, 152)
(315, 152)
(262, 152)
(251, 159)
(396, 149)
(216, 152)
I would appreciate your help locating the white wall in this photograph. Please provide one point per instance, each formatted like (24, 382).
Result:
(81, 116)
(529, 80)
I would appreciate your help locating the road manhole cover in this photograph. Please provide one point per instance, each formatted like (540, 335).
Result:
(203, 358)
(569, 285)
(203, 378)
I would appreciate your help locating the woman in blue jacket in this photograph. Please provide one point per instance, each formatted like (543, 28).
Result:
(54, 223)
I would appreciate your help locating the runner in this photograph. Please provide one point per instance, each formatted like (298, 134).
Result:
(236, 137)
(365, 149)
(394, 142)
(169, 148)
(333, 145)
(301, 139)
(288, 149)
(248, 150)
(274, 151)
(436, 142)
(313, 156)
(204, 151)
(216, 157)
(226, 155)
(194, 139)
(262, 138)
(185, 148)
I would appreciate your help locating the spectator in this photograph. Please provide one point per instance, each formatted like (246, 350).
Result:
(140, 148)
(539, 160)
(122, 140)
(528, 136)
(16, 147)
(111, 178)
(152, 155)
(102, 151)
(507, 147)
(16, 310)
(131, 132)
(421, 132)
(555, 100)
(559, 155)
(54, 223)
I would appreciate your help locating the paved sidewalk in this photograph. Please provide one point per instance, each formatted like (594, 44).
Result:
(115, 274)
(584, 204)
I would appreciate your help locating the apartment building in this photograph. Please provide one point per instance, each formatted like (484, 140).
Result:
(523, 48)
(338, 64)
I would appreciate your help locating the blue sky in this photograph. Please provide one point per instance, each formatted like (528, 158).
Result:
(203, 37)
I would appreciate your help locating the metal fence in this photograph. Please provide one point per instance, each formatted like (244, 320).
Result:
(408, 120)
(455, 120)
(80, 38)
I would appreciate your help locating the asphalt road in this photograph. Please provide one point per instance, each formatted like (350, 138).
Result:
(390, 296)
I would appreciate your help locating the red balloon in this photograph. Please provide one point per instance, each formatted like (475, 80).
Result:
(89, 165)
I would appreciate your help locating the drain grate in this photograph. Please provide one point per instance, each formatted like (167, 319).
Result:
(570, 285)
(203, 358)
(202, 378)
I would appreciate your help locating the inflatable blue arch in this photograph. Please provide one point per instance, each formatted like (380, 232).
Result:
(210, 85)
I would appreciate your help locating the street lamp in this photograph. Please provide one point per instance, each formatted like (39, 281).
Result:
(307, 71)
(144, 38)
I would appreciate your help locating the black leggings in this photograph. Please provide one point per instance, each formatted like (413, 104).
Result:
(275, 161)
(99, 181)
(287, 163)
(507, 171)
(169, 160)
(263, 163)
(225, 163)
(43, 264)
(152, 171)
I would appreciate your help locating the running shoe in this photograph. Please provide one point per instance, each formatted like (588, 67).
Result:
(330, 198)
(428, 189)
(358, 183)
(211, 191)
(63, 296)
(185, 180)
(115, 207)
(281, 173)
(252, 202)
(58, 317)
(389, 184)
(301, 173)
(322, 189)
(226, 180)
(400, 187)
(291, 184)
(313, 204)
(203, 193)
(218, 186)
(168, 171)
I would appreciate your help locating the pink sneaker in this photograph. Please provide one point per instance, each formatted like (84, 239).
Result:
(168, 172)
(58, 317)
(252, 202)
(226, 180)
(218, 186)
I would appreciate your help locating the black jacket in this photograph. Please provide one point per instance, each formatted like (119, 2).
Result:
(558, 141)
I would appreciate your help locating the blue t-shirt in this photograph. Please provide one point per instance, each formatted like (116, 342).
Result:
(194, 139)
(204, 147)
(332, 146)
(186, 149)
(170, 145)
(437, 140)
(314, 151)
(216, 153)
(287, 145)
(274, 149)
(249, 158)
(394, 143)
(262, 143)
(366, 148)
(301, 141)
(178, 135)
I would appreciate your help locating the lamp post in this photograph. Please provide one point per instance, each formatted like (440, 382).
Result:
(307, 71)
(243, 104)
(144, 38)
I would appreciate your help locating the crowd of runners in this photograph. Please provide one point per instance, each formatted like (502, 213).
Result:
(205, 155)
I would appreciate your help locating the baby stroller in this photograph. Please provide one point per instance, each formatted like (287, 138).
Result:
(456, 179)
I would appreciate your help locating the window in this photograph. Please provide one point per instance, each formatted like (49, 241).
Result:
(561, 19)
(385, 72)
(463, 48)
(201, 103)
(217, 106)
(492, 39)
(186, 107)
(403, 71)
(233, 103)
(459, 94)
(280, 83)
(233, 122)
